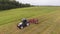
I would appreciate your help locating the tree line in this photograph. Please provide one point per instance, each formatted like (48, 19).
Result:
(4, 5)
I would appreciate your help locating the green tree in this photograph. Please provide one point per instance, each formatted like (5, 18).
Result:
(6, 4)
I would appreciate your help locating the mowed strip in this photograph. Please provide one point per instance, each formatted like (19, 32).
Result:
(54, 28)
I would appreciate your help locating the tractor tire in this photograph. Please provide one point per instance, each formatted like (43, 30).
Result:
(21, 27)
(27, 24)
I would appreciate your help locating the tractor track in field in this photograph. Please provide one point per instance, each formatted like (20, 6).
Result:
(52, 28)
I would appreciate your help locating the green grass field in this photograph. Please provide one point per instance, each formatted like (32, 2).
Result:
(49, 20)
